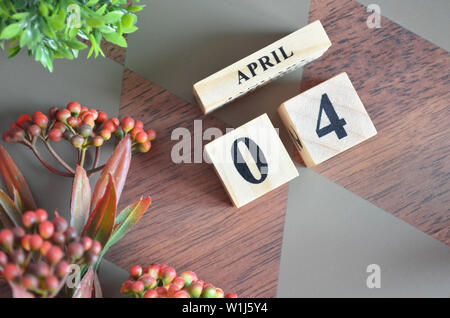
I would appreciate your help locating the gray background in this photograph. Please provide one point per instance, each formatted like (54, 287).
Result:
(328, 240)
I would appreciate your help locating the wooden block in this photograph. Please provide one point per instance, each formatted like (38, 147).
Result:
(267, 64)
(326, 120)
(251, 160)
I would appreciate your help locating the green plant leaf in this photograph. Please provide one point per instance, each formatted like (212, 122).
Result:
(13, 51)
(94, 22)
(85, 287)
(13, 180)
(135, 8)
(101, 220)
(20, 16)
(115, 38)
(112, 17)
(101, 10)
(10, 31)
(118, 166)
(80, 201)
(9, 207)
(131, 29)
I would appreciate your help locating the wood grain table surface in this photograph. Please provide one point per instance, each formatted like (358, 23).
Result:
(403, 81)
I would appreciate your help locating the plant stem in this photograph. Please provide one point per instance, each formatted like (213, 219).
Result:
(58, 158)
(45, 164)
(83, 156)
(97, 158)
(94, 170)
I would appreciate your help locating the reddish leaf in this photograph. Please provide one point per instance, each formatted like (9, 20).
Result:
(101, 221)
(81, 200)
(8, 207)
(126, 220)
(19, 292)
(13, 179)
(86, 285)
(117, 165)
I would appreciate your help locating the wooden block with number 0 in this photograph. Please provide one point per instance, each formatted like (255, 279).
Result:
(251, 160)
(326, 120)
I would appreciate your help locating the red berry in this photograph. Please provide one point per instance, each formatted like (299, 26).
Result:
(51, 283)
(139, 124)
(84, 109)
(137, 287)
(74, 108)
(73, 122)
(75, 250)
(17, 256)
(181, 294)
(105, 134)
(41, 215)
(11, 271)
(167, 275)
(219, 293)
(58, 238)
(23, 118)
(70, 234)
(94, 113)
(126, 287)
(188, 277)
(62, 269)
(46, 229)
(231, 295)
(6, 239)
(86, 242)
(59, 125)
(6, 136)
(127, 124)
(115, 121)
(136, 271)
(40, 119)
(96, 247)
(54, 254)
(55, 134)
(102, 117)
(45, 247)
(29, 218)
(91, 257)
(161, 291)
(89, 119)
(52, 112)
(196, 289)
(109, 125)
(178, 281)
(145, 147)
(141, 137)
(17, 134)
(36, 242)
(77, 141)
(34, 130)
(152, 270)
(151, 293)
(60, 224)
(97, 141)
(151, 134)
(134, 132)
(3, 259)
(149, 282)
(62, 115)
(41, 269)
(30, 281)
(18, 232)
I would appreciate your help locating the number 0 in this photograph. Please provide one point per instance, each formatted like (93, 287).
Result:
(242, 166)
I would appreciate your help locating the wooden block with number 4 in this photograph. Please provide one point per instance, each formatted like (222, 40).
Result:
(326, 120)
(251, 160)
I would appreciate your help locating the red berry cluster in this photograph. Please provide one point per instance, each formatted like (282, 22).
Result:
(81, 126)
(37, 256)
(162, 281)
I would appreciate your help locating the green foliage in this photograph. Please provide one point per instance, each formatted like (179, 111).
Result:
(51, 29)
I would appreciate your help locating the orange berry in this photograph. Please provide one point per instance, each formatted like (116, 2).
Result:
(141, 137)
(97, 141)
(46, 229)
(62, 115)
(105, 134)
(127, 124)
(145, 147)
(102, 117)
(55, 134)
(151, 134)
(74, 108)
(109, 125)
(41, 215)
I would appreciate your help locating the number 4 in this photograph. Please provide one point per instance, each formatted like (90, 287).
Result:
(336, 124)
